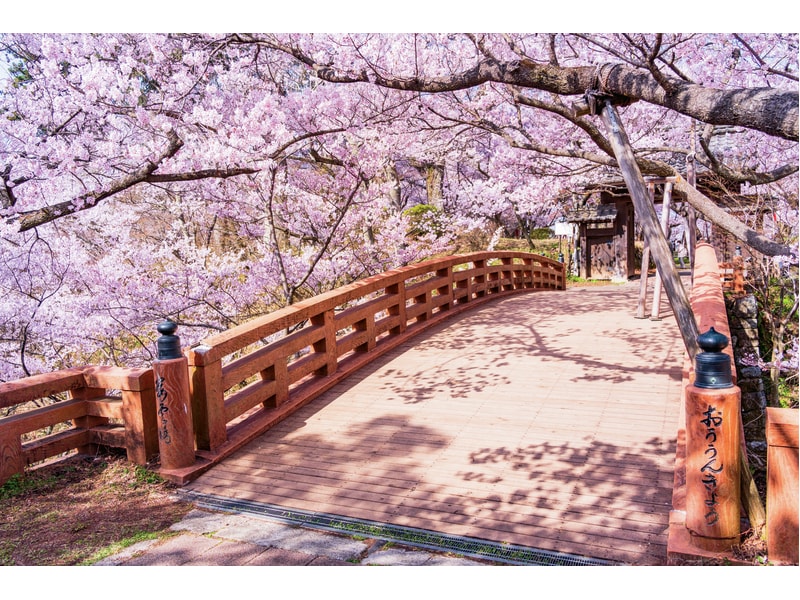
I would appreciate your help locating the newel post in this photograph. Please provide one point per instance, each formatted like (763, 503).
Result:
(173, 402)
(712, 448)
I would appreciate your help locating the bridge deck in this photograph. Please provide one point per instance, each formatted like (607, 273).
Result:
(546, 420)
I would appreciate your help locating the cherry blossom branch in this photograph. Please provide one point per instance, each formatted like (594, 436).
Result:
(769, 110)
(761, 62)
(30, 219)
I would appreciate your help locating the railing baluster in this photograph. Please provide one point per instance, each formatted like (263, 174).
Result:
(87, 422)
(208, 401)
(479, 280)
(327, 345)
(399, 309)
(447, 289)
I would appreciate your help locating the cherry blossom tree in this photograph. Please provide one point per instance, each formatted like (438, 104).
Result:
(211, 178)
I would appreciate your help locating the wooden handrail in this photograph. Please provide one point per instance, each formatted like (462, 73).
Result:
(97, 395)
(248, 378)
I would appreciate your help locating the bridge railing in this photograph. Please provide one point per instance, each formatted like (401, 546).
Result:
(106, 406)
(246, 379)
(250, 377)
(700, 470)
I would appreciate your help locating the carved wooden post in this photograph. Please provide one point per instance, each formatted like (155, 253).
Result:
(712, 449)
(173, 402)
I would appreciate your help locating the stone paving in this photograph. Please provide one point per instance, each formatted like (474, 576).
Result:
(222, 539)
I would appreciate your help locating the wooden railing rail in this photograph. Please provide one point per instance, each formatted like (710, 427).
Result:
(248, 378)
(107, 406)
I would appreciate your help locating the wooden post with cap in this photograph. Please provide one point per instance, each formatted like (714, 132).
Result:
(173, 402)
(713, 415)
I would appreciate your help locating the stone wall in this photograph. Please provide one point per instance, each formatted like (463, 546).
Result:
(743, 320)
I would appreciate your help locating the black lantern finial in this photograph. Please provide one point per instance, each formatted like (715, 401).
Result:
(169, 344)
(712, 366)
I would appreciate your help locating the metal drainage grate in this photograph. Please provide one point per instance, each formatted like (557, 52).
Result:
(411, 536)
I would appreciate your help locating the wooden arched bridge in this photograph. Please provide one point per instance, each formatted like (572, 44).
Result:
(546, 420)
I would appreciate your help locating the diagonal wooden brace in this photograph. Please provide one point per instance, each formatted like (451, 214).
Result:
(645, 212)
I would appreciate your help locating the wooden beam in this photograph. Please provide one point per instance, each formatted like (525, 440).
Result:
(646, 213)
(642, 305)
(656, 309)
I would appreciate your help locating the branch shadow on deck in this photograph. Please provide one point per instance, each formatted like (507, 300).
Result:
(585, 498)
(543, 439)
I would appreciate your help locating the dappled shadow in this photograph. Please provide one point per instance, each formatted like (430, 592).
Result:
(585, 497)
(520, 422)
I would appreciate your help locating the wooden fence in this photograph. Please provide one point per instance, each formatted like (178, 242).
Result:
(107, 406)
(248, 378)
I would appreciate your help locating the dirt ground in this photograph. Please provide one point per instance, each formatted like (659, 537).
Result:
(81, 509)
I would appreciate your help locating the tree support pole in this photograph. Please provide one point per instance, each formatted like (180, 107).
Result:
(641, 308)
(655, 313)
(691, 213)
(646, 213)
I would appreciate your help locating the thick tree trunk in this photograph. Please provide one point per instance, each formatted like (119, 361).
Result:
(772, 111)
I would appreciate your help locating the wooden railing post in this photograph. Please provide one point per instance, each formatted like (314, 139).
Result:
(11, 460)
(173, 401)
(713, 427)
(327, 345)
(480, 280)
(88, 421)
(447, 289)
(399, 309)
(141, 437)
(782, 485)
(208, 402)
(527, 272)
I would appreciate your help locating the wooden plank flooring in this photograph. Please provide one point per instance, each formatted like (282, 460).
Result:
(546, 420)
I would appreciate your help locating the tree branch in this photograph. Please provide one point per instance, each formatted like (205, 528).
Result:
(772, 111)
(30, 219)
(731, 224)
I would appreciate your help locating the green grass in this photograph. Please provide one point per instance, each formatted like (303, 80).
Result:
(20, 484)
(122, 544)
